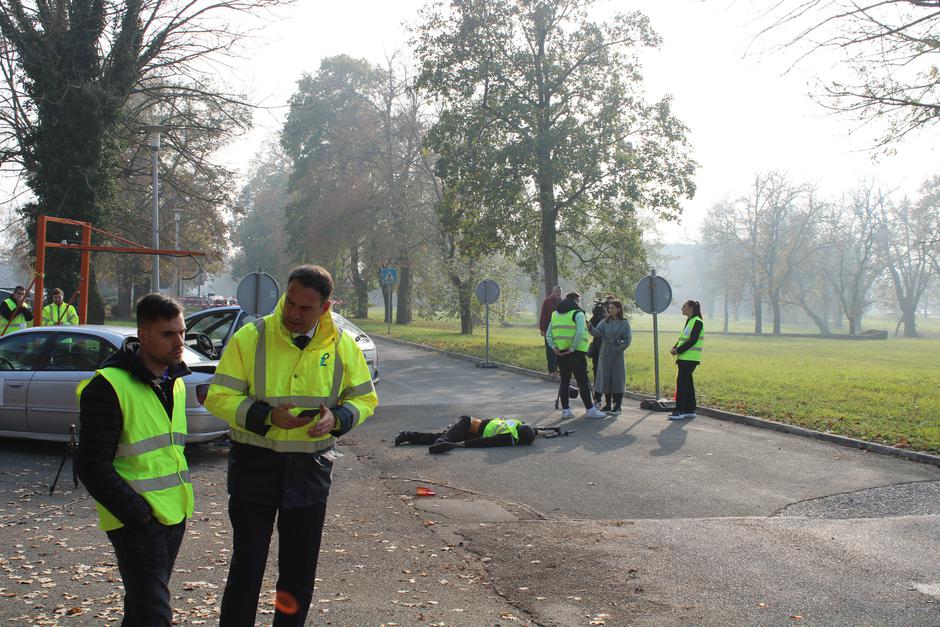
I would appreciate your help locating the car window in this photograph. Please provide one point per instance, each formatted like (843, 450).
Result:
(244, 319)
(215, 325)
(193, 357)
(78, 352)
(22, 351)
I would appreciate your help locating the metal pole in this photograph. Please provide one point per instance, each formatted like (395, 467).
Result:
(388, 306)
(655, 332)
(155, 154)
(258, 290)
(487, 308)
(179, 275)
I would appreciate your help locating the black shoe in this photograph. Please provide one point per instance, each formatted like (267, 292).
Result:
(615, 410)
(441, 447)
(401, 438)
(605, 408)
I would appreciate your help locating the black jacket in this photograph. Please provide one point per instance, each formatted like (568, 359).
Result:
(101, 425)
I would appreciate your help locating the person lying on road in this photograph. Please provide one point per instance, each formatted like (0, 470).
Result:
(472, 432)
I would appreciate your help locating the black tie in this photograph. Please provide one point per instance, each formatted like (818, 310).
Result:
(301, 341)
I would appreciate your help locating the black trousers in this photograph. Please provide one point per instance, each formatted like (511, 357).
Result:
(574, 363)
(145, 557)
(550, 358)
(685, 387)
(299, 532)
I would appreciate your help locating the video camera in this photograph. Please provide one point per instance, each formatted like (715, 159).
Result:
(599, 308)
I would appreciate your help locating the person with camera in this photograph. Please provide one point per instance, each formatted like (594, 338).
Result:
(568, 336)
(611, 377)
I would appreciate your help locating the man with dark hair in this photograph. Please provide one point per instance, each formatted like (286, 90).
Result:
(14, 311)
(288, 384)
(58, 311)
(472, 432)
(545, 316)
(132, 456)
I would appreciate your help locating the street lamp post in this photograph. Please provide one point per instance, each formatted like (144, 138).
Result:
(155, 131)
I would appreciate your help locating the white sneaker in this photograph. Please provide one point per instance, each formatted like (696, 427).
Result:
(566, 414)
(594, 412)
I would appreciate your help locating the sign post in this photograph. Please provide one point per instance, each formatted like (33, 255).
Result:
(388, 277)
(487, 293)
(653, 296)
(257, 293)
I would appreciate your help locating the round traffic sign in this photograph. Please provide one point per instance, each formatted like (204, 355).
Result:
(487, 292)
(257, 293)
(653, 294)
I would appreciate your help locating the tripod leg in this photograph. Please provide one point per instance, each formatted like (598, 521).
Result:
(72, 449)
(59, 472)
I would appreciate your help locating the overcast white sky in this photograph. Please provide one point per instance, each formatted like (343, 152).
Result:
(743, 114)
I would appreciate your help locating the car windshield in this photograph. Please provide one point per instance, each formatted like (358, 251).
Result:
(192, 357)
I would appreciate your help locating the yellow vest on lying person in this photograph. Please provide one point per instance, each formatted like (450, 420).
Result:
(261, 363)
(59, 314)
(694, 352)
(563, 329)
(151, 449)
(497, 426)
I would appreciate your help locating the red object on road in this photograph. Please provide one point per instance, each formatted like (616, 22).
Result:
(423, 491)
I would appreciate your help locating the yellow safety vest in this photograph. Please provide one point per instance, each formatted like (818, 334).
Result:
(261, 363)
(151, 449)
(694, 353)
(563, 329)
(497, 426)
(17, 322)
(59, 314)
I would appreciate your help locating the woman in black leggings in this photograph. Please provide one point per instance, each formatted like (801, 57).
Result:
(688, 352)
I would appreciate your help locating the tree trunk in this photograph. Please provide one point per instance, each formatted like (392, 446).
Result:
(909, 318)
(387, 299)
(405, 281)
(758, 312)
(465, 298)
(775, 307)
(819, 321)
(725, 325)
(360, 287)
(124, 304)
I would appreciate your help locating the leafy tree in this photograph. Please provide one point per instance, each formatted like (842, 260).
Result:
(545, 125)
(70, 68)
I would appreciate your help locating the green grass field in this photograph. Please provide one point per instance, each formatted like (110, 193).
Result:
(881, 391)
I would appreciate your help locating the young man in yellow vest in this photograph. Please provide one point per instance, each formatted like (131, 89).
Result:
(131, 458)
(288, 384)
(472, 432)
(569, 337)
(15, 311)
(58, 311)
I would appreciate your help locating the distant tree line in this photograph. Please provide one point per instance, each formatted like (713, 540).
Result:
(781, 245)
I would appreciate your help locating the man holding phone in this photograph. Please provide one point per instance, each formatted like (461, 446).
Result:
(288, 384)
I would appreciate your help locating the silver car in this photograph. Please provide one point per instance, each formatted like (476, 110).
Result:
(209, 330)
(40, 368)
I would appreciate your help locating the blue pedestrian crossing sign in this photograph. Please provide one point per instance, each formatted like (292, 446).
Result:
(388, 276)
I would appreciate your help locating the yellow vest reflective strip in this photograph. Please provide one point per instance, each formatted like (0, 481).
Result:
(59, 314)
(282, 446)
(497, 426)
(694, 352)
(17, 322)
(151, 456)
(564, 328)
(230, 382)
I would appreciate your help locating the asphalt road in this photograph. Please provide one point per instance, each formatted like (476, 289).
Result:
(634, 520)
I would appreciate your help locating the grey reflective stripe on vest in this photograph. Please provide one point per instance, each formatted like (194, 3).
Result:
(261, 358)
(151, 444)
(354, 410)
(281, 446)
(159, 483)
(241, 412)
(230, 382)
(359, 390)
(337, 373)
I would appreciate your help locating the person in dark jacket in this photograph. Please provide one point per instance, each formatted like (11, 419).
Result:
(145, 546)
(545, 316)
(472, 432)
(688, 352)
(598, 313)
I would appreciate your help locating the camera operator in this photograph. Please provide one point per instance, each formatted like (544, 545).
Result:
(598, 313)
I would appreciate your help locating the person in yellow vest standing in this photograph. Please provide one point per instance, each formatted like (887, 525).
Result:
(568, 336)
(58, 311)
(15, 311)
(288, 384)
(131, 456)
(470, 432)
(688, 352)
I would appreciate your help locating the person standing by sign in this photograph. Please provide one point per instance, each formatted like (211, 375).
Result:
(688, 352)
(288, 384)
(567, 334)
(15, 311)
(58, 311)
(548, 306)
(611, 378)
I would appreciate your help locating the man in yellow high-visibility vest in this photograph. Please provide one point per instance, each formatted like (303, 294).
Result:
(14, 312)
(568, 336)
(131, 458)
(288, 384)
(58, 311)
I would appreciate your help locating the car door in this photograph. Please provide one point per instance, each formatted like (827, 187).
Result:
(52, 403)
(216, 325)
(20, 354)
